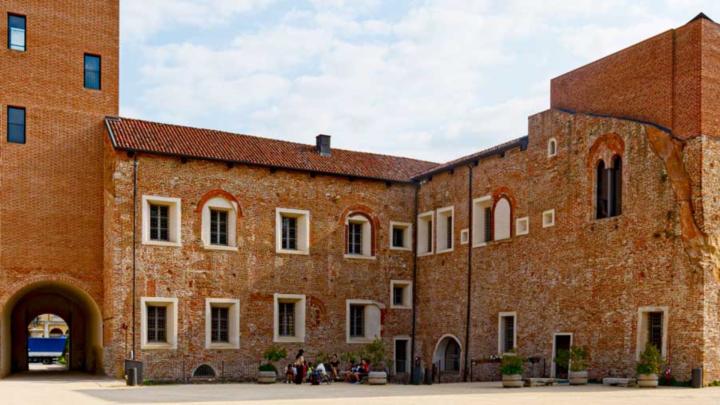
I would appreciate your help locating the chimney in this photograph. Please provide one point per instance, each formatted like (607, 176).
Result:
(322, 144)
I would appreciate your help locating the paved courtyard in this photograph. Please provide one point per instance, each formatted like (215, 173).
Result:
(75, 389)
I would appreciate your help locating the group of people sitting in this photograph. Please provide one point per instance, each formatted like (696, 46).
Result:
(301, 371)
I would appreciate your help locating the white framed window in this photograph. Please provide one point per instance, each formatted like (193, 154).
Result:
(362, 321)
(401, 294)
(289, 318)
(464, 236)
(507, 332)
(292, 231)
(548, 218)
(401, 354)
(445, 229)
(160, 221)
(219, 224)
(502, 219)
(552, 147)
(522, 226)
(222, 323)
(652, 328)
(482, 221)
(426, 225)
(359, 237)
(400, 235)
(158, 323)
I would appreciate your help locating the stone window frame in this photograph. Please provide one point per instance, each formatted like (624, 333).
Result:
(368, 235)
(641, 332)
(423, 236)
(501, 331)
(174, 221)
(220, 204)
(369, 335)
(300, 302)
(552, 147)
(303, 230)
(496, 216)
(171, 323)
(478, 217)
(522, 229)
(407, 294)
(464, 236)
(548, 218)
(407, 238)
(441, 229)
(233, 306)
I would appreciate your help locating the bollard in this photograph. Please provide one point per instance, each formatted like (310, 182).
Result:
(697, 378)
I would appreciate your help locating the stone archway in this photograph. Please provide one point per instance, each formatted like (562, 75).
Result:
(71, 303)
(448, 355)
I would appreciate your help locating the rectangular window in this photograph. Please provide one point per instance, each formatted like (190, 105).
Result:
(449, 232)
(487, 235)
(398, 295)
(398, 237)
(92, 72)
(286, 324)
(16, 124)
(16, 32)
(289, 233)
(218, 227)
(507, 333)
(355, 238)
(156, 324)
(401, 355)
(159, 222)
(655, 329)
(357, 321)
(219, 324)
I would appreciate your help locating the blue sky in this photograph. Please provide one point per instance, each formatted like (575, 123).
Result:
(427, 79)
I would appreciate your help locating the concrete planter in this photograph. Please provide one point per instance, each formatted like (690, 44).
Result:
(512, 381)
(266, 377)
(377, 378)
(647, 380)
(578, 377)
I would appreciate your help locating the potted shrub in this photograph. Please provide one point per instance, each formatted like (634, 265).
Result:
(375, 354)
(511, 368)
(577, 372)
(267, 372)
(648, 367)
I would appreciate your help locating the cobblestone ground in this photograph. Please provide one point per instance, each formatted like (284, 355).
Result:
(74, 389)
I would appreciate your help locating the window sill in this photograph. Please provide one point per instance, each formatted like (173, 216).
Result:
(406, 249)
(483, 244)
(359, 340)
(292, 252)
(160, 243)
(223, 346)
(425, 254)
(445, 251)
(221, 247)
(288, 339)
(400, 306)
(158, 346)
(359, 257)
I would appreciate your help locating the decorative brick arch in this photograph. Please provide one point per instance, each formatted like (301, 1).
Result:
(498, 194)
(605, 148)
(367, 212)
(218, 193)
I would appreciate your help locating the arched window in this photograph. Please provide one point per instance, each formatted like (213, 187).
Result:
(601, 203)
(501, 219)
(204, 371)
(359, 234)
(616, 196)
(552, 147)
(219, 223)
(608, 188)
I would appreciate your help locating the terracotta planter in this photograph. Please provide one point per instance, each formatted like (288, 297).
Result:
(377, 378)
(266, 377)
(647, 380)
(578, 377)
(512, 381)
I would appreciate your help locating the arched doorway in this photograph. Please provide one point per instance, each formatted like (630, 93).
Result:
(448, 355)
(72, 304)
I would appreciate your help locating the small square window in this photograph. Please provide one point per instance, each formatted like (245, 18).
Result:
(548, 218)
(292, 231)
(160, 221)
(218, 227)
(464, 236)
(222, 320)
(16, 32)
(362, 321)
(16, 125)
(445, 229)
(92, 72)
(400, 236)
(400, 294)
(158, 323)
(507, 333)
(482, 221)
(219, 224)
(289, 317)
(522, 226)
(357, 321)
(425, 245)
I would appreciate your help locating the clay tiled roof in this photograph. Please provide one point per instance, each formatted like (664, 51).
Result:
(174, 140)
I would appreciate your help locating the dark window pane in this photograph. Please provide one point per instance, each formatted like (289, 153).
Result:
(655, 329)
(616, 187)
(16, 32)
(92, 72)
(398, 293)
(357, 321)
(219, 324)
(429, 235)
(156, 324)
(401, 356)
(398, 237)
(286, 318)
(355, 238)
(289, 233)
(16, 125)
(452, 356)
(508, 333)
(488, 225)
(218, 227)
(449, 233)
(601, 191)
(159, 223)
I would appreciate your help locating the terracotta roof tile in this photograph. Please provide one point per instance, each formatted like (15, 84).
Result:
(166, 139)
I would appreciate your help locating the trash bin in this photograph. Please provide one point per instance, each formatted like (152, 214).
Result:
(697, 377)
(137, 366)
(428, 376)
(132, 377)
(417, 376)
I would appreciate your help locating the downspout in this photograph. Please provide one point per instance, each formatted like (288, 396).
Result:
(134, 246)
(415, 286)
(469, 273)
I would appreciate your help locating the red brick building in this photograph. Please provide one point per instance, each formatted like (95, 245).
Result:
(190, 247)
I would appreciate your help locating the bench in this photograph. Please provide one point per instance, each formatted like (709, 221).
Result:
(539, 382)
(619, 382)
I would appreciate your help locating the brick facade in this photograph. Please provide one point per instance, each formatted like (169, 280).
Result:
(72, 220)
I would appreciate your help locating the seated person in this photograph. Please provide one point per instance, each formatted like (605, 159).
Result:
(334, 367)
(289, 374)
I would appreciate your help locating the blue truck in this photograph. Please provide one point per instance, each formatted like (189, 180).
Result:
(45, 350)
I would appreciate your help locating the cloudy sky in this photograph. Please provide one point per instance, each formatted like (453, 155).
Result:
(432, 79)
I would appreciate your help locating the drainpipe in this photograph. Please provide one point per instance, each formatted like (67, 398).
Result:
(415, 286)
(469, 274)
(134, 261)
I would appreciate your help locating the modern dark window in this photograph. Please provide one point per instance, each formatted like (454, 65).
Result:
(219, 324)
(16, 124)
(357, 321)
(92, 71)
(616, 191)
(289, 233)
(488, 224)
(655, 329)
(429, 235)
(398, 237)
(16, 32)
(159, 223)
(608, 189)
(449, 232)
(286, 319)
(452, 356)
(401, 357)
(355, 236)
(218, 227)
(156, 324)
(398, 295)
(508, 333)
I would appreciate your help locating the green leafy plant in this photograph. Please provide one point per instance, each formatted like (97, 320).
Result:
(272, 355)
(349, 357)
(374, 353)
(650, 361)
(575, 358)
(322, 357)
(511, 364)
